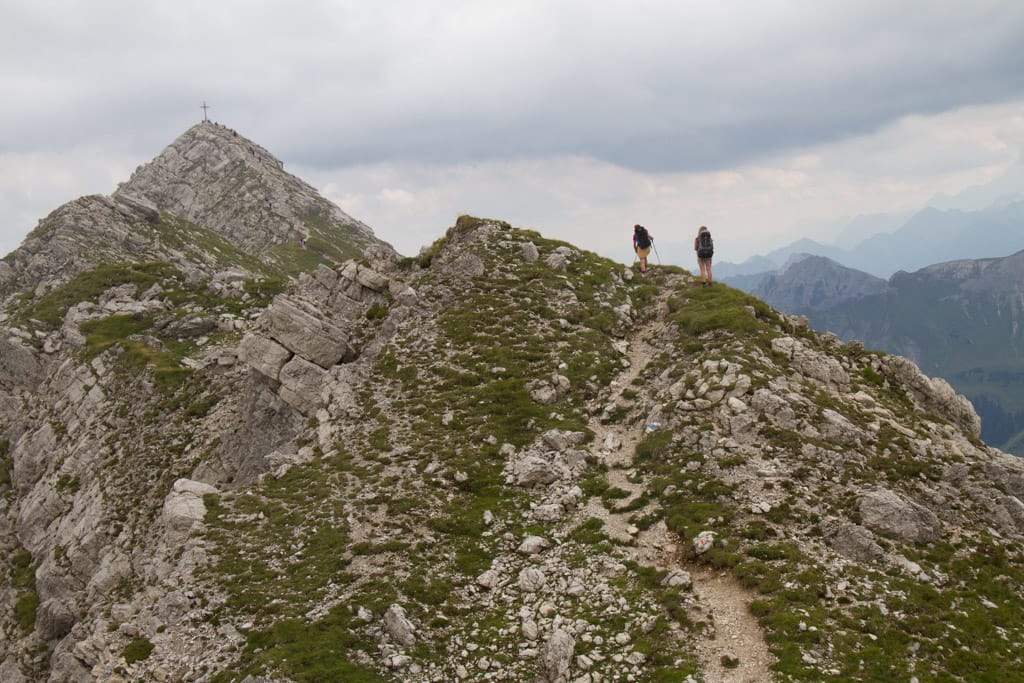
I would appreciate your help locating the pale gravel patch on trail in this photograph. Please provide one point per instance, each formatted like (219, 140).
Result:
(733, 630)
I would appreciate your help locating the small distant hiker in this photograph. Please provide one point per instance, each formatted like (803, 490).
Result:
(705, 248)
(302, 241)
(642, 241)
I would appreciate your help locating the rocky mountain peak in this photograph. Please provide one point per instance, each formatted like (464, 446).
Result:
(212, 200)
(812, 282)
(214, 177)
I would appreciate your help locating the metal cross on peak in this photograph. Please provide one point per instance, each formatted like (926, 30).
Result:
(204, 108)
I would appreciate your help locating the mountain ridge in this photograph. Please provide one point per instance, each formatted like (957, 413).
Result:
(928, 236)
(505, 459)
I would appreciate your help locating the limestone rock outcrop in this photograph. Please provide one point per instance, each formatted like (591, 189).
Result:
(212, 198)
(184, 506)
(891, 514)
(302, 335)
(933, 394)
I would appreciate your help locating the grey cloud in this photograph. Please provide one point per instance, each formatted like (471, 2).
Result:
(668, 108)
(653, 86)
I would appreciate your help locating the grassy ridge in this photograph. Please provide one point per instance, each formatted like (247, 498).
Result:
(439, 413)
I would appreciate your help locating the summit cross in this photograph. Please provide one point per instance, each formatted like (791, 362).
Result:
(204, 108)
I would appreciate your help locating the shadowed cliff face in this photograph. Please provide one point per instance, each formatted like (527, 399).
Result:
(507, 458)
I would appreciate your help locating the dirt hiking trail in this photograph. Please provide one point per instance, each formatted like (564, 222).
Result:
(732, 648)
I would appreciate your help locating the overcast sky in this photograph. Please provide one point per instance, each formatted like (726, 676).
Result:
(765, 120)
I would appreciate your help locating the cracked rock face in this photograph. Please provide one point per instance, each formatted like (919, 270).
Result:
(857, 543)
(184, 507)
(401, 630)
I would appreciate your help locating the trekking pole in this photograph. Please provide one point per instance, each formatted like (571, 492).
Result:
(656, 252)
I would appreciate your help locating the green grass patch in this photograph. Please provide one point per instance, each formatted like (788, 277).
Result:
(720, 307)
(263, 291)
(307, 651)
(90, 284)
(642, 295)
(67, 484)
(25, 611)
(594, 485)
(137, 650)
(427, 591)
(688, 518)
(872, 376)
(6, 463)
(22, 570)
(590, 532)
(655, 448)
(124, 330)
(201, 407)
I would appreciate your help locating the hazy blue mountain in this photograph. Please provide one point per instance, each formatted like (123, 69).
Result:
(755, 265)
(814, 283)
(804, 246)
(928, 236)
(935, 236)
(864, 226)
(1000, 191)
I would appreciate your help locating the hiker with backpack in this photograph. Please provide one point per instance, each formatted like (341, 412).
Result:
(642, 242)
(705, 248)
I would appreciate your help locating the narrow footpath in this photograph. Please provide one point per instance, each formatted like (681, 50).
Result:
(734, 633)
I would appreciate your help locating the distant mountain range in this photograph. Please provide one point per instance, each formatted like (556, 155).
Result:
(961, 320)
(892, 243)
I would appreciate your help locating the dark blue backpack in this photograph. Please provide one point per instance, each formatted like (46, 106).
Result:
(705, 245)
(643, 240)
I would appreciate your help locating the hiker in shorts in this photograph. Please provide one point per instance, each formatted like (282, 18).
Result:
(705, 248)
(642, 241)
